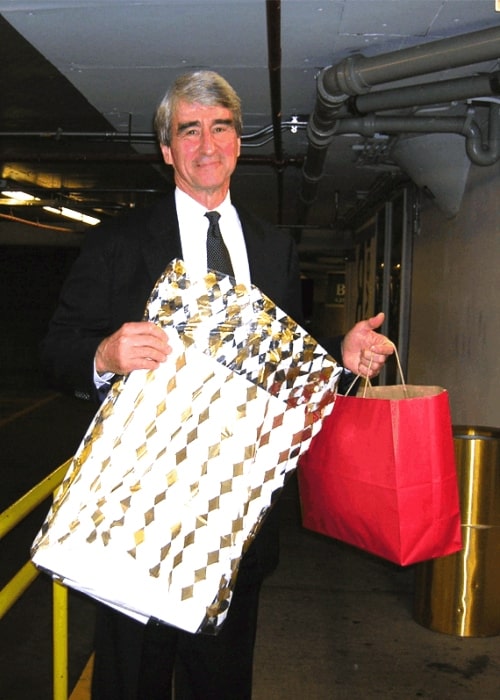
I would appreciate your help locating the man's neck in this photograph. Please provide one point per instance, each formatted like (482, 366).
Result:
(206, 200)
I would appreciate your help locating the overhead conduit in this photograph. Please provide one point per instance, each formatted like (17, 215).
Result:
(481, 151)
(342, 89)
(478, 153)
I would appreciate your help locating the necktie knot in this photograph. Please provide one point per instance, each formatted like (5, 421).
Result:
(213, 218)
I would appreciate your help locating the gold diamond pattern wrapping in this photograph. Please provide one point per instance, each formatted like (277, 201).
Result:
(179, 466)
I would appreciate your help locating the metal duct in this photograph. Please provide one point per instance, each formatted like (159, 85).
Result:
(438, 164)
(356, 75)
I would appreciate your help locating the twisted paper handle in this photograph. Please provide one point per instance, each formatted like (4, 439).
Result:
(367, 382)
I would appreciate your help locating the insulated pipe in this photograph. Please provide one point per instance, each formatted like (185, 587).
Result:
(355, 75)
(427, 94)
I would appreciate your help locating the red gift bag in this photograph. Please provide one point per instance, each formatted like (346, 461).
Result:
(381, 474)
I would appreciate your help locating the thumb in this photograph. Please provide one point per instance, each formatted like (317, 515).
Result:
(376, 321)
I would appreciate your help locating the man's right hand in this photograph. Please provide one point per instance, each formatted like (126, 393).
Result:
(140, 345)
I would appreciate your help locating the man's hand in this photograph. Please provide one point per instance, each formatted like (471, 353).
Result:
(141, 345)
(364, 351)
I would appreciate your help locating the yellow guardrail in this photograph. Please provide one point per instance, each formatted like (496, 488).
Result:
(25, 576)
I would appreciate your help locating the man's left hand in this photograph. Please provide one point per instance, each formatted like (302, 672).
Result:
(364, 351)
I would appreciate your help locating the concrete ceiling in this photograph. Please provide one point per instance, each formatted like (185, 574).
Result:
(75, 74)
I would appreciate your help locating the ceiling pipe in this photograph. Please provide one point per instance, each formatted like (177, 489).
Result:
(273, 14)
(478, 152)
(273, 9)
(19, 156)
(427, 94)
(481, 151)
(355, 75)
(130, 136)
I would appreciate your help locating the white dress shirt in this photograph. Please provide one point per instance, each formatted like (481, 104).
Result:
(193, 228)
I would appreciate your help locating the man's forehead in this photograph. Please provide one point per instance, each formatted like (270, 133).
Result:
(197, 111)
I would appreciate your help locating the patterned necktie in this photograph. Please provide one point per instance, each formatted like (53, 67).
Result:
(217, 253)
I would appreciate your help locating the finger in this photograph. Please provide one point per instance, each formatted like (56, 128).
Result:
(133, 346)
(155, 330)
(143, 335)
(141, 363)
(146, 348)
(143, 329)
(374, 358)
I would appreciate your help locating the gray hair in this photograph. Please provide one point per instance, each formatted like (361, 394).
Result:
(203, 86)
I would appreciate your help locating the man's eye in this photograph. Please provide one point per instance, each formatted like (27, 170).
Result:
(223, 130)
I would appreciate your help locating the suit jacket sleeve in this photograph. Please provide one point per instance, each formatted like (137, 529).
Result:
(108, 285)
(80, 321)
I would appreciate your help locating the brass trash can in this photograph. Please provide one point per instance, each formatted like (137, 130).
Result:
(460, 594)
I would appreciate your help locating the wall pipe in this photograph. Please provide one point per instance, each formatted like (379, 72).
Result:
(355, 75)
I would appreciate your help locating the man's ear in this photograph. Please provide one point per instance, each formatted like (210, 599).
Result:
(166, 153)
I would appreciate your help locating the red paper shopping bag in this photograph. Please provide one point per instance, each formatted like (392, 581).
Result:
(381, 474)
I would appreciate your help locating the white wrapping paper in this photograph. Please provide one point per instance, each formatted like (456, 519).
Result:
(179, 466)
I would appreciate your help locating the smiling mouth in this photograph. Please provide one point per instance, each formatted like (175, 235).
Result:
(210, 164)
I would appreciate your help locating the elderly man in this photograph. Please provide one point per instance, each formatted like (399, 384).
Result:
(96, 334)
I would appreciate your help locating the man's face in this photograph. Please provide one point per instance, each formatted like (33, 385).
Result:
(203, 151)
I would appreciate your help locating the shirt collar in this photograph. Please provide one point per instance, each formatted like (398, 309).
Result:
(189, 207)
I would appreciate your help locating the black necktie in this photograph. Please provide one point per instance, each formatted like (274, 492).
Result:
(217, 253)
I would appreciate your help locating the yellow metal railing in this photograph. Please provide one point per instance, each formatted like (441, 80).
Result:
(17, 585)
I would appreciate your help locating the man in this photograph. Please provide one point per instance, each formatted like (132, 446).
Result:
(96, 333)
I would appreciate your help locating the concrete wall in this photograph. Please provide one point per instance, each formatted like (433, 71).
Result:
(455, 318)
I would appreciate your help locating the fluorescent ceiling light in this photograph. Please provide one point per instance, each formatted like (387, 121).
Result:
(72, 214)
(19, 196)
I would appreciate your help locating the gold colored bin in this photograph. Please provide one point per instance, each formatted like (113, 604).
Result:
(460, 594)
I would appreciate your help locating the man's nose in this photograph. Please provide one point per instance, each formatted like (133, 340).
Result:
(207, 143)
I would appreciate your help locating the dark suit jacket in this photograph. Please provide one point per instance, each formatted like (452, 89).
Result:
(110, 284)
(118, 266)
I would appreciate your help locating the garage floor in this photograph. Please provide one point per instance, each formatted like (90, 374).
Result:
(335, 623)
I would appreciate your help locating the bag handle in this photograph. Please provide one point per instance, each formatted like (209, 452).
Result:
(367, 382)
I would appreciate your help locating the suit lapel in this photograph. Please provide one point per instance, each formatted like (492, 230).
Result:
(161, 241)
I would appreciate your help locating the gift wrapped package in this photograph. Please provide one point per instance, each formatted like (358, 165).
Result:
(180, 465)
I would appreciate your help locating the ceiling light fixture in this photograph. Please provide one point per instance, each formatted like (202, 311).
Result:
(19, 197)
(72, 214)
